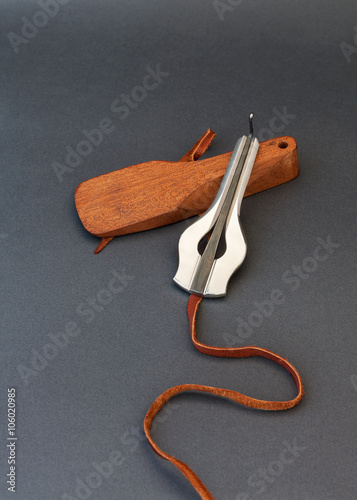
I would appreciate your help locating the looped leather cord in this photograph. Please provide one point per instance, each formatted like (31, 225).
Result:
(199, 147)
(226, 352)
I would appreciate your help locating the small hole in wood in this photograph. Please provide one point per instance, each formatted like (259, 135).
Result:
(283, 145)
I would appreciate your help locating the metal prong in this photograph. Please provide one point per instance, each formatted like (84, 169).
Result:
(251, 116)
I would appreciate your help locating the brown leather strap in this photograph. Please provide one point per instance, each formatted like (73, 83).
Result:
(103, 243)
(227, 352)
(199, 147)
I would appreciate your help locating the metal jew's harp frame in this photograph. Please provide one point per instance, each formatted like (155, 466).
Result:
(204, 271)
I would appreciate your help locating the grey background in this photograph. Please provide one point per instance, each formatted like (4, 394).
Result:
(90, 400)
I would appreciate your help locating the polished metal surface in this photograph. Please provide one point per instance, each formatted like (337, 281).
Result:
(208, 273)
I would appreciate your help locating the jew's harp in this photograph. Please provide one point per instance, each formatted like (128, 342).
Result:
(213, 248)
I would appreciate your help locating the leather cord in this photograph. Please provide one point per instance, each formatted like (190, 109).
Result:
(227, 352)
(199, 147)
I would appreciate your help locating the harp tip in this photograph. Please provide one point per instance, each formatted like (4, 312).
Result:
(251, 116)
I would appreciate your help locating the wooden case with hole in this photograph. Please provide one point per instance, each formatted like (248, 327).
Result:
(156, 193)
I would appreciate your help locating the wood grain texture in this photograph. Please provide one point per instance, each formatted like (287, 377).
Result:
(157, 193)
